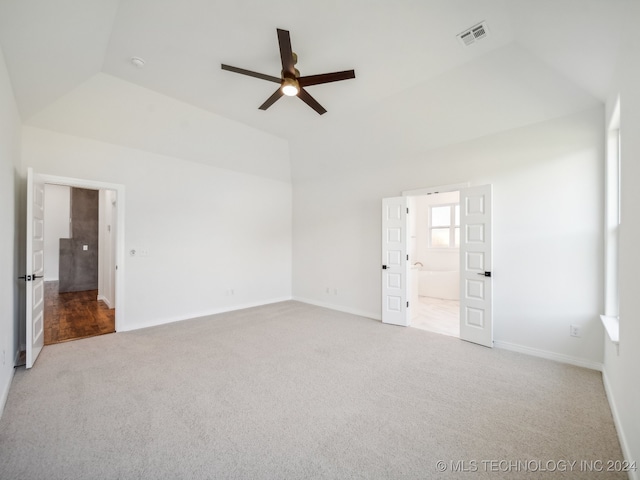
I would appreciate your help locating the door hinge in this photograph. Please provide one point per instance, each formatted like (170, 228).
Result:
(407, 209)
(407, 304)
(407, 257)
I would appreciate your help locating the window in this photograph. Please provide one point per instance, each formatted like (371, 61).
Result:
(613, 219)
(444, 226)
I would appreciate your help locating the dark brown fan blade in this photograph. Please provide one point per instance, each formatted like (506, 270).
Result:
(309, 100)
(272, 99)
(251, 74)
(326, 78)
(286, 54)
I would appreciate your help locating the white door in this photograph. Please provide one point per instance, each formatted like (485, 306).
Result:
(34, 277)
(476, 317)
(395, 266)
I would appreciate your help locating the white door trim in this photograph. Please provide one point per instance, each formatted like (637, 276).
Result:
(438, 189)
(395, 265)
(476, 285)
(34, 272)
(443, 189)
(120, 256)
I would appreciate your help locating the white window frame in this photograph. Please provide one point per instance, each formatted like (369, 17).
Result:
(452, 226)
(612, 222)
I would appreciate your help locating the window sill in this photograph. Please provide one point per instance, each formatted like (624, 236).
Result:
(612, 326)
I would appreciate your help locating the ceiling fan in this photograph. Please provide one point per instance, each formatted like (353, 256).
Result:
(291, 83)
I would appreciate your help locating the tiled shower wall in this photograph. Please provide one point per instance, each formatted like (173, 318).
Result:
(79, 254)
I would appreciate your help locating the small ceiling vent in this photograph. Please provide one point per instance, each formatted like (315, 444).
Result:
(474, 34)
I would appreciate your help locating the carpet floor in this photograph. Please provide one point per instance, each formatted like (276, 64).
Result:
(294, 391)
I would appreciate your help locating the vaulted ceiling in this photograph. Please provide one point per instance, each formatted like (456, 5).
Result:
(554, 56)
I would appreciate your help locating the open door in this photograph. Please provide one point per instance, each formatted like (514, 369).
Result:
(476, 313)
(395, 265)
(34, 277)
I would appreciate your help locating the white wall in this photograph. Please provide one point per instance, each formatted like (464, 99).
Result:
(207, 231)
(548, 204)
(107, 247)
(57, 212)
(9, 201)
(621, 368)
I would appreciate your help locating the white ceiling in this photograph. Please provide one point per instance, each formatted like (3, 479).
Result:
(51, 47)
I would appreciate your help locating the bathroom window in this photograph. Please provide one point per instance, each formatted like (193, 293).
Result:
(444, 226)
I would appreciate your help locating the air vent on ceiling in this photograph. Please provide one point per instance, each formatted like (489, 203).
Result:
(474, 34)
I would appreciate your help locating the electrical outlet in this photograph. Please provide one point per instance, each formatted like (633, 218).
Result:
(574, 330)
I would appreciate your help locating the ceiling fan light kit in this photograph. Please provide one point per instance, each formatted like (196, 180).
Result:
(290, 87)
(291, 83)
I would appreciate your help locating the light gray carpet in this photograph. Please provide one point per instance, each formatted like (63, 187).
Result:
(295, 391)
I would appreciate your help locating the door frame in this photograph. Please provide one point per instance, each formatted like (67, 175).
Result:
(432, 191)
(119, 250)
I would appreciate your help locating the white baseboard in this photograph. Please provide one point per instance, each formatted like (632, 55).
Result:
(622, 438)
(7, 387)
(51, 279)
(339, 308)
(5, 393)
(193, 315)
(558, 357)
(579, 362)
(106, 301)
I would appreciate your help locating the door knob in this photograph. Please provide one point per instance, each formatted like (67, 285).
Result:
(28, 278)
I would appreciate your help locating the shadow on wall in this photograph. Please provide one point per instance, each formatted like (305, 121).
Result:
(78, 269)
(19, 262)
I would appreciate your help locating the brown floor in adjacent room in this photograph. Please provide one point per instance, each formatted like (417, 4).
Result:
(74, 315)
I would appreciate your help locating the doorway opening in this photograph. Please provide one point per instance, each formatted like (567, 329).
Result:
(79, 268)
(35, 256)
(434, 256)
(467, 224)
